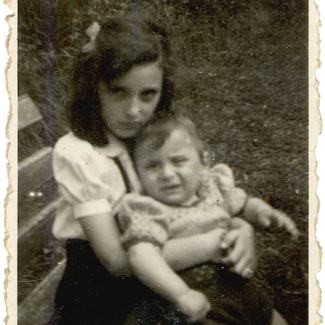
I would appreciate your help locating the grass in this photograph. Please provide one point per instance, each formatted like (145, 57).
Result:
(241, 75)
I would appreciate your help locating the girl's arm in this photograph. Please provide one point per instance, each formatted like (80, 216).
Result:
(104, 238)
(149, 266)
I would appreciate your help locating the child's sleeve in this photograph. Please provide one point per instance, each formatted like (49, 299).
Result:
(142, 219)
(89, 182)
(233, 198)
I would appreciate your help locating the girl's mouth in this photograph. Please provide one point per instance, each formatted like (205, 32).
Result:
(128, 127)
(132, 125)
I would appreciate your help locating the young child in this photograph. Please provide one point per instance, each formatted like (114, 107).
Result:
(121, 80)
(185, 198)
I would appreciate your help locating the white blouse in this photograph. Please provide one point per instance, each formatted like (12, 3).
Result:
(89, 180)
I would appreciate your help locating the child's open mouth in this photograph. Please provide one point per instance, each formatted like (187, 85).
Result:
(170, 189)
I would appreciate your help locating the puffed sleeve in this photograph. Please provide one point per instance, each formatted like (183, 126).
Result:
(88, 180)
(142, 219)
(233, 198)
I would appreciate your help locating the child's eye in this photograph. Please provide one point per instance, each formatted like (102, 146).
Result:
(152, 165)
(177, 161)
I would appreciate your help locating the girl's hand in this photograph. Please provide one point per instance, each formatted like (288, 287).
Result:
(193, 304)
(240, 242)
(263, 215)
(214, 241)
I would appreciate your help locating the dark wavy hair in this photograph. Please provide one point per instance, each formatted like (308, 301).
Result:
(120, 44)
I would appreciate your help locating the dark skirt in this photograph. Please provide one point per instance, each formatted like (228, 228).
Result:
(88, 294)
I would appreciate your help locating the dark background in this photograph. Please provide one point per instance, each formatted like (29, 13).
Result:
(241, 75)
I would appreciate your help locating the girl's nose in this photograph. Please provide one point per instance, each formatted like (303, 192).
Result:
(134, 108)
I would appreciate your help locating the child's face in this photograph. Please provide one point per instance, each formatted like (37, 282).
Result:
(171, 174)
(129, 102)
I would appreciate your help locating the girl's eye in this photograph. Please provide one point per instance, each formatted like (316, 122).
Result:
(148, 94)
(117, 91)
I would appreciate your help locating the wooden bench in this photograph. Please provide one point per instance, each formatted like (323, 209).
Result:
(41, 261)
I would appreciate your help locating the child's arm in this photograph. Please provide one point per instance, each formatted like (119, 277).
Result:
(261, 214)
(256, 211)
(183, 253)
(149, 266)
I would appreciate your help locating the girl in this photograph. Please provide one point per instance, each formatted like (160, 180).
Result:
(122, 79)
(187, 198)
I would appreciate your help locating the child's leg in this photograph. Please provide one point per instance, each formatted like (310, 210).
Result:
(277, 319)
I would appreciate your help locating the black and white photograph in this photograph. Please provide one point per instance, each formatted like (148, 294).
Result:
(130, 116)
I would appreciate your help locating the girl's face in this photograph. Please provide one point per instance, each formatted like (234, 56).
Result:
(129, 101)
(171, 174)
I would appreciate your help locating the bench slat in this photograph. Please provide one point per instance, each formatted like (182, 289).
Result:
(28, 113)
(27, 226)
(38, 306)
(34, 171)
(35, 234)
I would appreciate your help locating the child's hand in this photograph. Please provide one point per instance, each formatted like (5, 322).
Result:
(263, 215)
(193, 304)
(279, 220)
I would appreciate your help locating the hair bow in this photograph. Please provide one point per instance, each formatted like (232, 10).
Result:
(92, 31)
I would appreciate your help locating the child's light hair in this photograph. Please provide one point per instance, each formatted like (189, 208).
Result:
(120, 44)
(157, 131)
